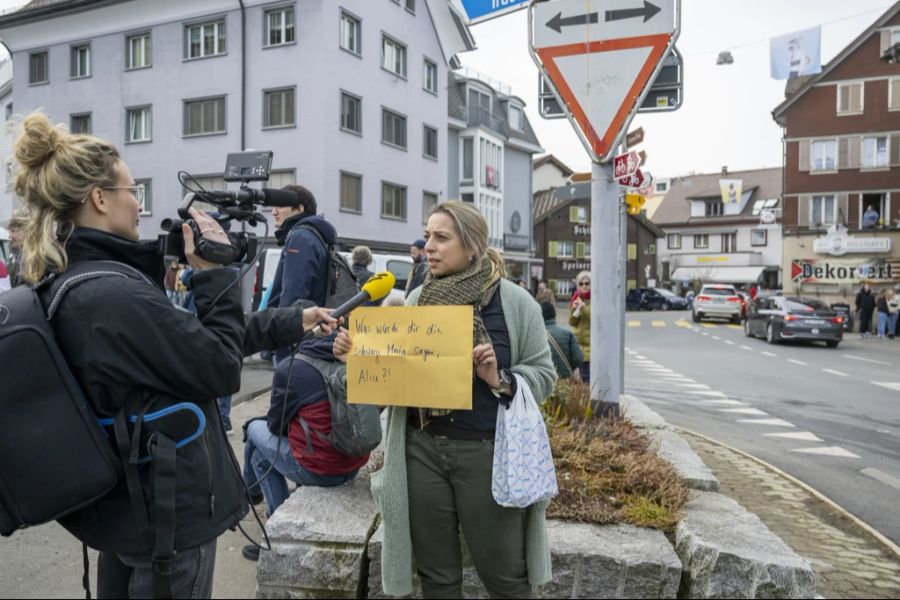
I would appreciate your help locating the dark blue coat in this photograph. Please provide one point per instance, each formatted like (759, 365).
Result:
(301, 272)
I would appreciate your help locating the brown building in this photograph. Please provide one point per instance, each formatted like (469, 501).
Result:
(562, 234)
(842, 156)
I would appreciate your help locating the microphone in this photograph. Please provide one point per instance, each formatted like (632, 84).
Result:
(265, 196)
(376, 288)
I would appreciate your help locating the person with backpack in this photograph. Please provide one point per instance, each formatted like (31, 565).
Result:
(292, 443)
(133, 355)
(564, 347)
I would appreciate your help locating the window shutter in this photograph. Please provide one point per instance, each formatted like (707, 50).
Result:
(844, 153)
(894, 159)
(855, 144)
(895, 94)
(573, 214)
(856, 92)
(803, 212)
(552, 250)
(885, 41)
(843, 98)
(843, 207)
(804, 146)
(579, 250)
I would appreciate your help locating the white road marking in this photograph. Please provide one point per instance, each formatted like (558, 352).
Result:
(729, 342)
(769, 354)
(827, 451)
(833, 372)
(754, 412)
(705, 393)
(659, 369)
(768, 422)
(704, 333)
(640, 357)
(699, 386)
(804, 436)
(747, 348)
(871, 360)
(882, 477)
(797, 362)
(891, 385)
(717, 338)
(723, 403)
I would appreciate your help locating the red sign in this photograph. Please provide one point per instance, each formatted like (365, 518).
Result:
(636, 180)
(625, 165)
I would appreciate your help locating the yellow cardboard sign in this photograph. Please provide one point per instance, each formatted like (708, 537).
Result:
(411, 356)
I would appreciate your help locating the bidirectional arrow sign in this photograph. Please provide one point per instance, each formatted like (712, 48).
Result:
(600, 56)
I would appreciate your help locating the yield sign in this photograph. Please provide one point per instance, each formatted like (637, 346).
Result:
(600, 56)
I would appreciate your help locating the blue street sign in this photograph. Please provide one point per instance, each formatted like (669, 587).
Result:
(482, 10)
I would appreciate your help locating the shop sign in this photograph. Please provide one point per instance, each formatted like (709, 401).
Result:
(581, 230)
(838, 242)
(516, 242)
(573, 265)
(844, 270)
(705, 260)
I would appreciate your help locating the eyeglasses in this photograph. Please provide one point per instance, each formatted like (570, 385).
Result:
(584, 283)
(137, 190)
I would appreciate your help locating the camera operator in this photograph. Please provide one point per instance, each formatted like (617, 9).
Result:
(131, 350)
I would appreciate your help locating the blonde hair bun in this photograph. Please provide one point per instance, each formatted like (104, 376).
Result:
(38, 141)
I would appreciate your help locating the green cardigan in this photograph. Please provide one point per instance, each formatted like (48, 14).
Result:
(530, 358)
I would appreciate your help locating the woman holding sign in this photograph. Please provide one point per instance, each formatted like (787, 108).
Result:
(437, 474)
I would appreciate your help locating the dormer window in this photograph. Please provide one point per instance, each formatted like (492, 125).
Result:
(516, 118)
(714, 208)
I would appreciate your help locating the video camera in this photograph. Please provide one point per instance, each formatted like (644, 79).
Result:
(240, 206)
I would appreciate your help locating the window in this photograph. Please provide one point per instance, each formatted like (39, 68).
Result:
(80, 123)
(758, 237)
(479, 106)
(278, 108)
(823, 210)
(673, 241)
(393, 56)
(38, 68)
(429, 201)
(701, 241)
(715, 208)
(411, 6)
(279, 26)
(850, 98)
(468, 158)
(470, 198)
(393, 201)
(583, 250)
(139, 123)
(281, 178)
(662, 187)
(204, 39)
(351, 192)
(729, 242)
(431, 142)
(351, 30)
(138, 51)
(578, 214)
(564, 249)
(490, 158)
(147, 202)
(430, 77)
(823, 156)
(761, 205)
(516, 118)
(204, 117)
(81, 61)
(874, 152)
(351, 113)
(393, 129)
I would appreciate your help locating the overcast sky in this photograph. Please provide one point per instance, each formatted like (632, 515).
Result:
(726, 116)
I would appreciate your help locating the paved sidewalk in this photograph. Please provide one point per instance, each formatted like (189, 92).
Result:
(848, 561)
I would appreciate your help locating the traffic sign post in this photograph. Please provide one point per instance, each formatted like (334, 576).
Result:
(599, 58)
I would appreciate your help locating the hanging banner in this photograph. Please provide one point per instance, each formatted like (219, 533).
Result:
(731, 190)
(796, 54)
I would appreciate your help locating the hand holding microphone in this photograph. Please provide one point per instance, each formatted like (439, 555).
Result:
(376, 288)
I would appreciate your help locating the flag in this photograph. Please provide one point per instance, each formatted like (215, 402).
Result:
(731, 190)
(796, 54)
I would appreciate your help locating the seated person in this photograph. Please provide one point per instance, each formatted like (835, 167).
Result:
(284, 443)
(565, 342)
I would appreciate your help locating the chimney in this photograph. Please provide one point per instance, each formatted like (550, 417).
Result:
(725, 170)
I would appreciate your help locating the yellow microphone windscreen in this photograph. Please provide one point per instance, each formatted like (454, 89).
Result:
(380, 285)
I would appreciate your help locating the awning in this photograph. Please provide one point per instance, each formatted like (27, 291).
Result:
(718, 274)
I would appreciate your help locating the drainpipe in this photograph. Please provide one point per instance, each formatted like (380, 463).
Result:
(243, 73)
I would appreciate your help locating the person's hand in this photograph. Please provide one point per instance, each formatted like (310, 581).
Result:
(319, 316)
(209, 229)
(342, 345)
(579, 303)
(485, 362)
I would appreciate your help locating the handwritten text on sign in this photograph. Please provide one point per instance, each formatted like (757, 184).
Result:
(411, 356)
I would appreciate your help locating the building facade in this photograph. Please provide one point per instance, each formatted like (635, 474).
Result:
(711, 241)
(351, 96)
(842, 161)
(562, 234)
(491, 145)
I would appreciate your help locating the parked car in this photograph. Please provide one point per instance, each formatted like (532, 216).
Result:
(717, 300)
(781, 318)
(654, 299)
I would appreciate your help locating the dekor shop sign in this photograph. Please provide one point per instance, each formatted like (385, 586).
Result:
(844, 271)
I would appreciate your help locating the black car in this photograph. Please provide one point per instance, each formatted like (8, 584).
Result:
(783, 318)
(654, 299)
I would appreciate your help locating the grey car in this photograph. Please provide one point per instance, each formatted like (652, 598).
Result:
(783, 318)
(717, 300)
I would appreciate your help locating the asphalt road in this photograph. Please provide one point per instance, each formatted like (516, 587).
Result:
(829, 417)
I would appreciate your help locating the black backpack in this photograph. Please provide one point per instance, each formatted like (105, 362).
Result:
(342, 283)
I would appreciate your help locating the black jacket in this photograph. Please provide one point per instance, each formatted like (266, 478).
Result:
(362, 273)
(124, 341)
(865, 301)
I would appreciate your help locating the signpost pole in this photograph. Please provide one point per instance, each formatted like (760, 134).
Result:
(607, 295)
